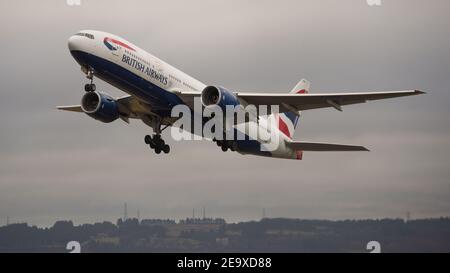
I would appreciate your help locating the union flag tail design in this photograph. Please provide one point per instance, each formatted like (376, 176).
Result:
(288, 121)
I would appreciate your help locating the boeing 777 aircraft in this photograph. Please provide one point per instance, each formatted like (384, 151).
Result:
(155, 88)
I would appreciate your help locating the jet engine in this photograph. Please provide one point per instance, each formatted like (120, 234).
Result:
(214, 95)
(100, 106)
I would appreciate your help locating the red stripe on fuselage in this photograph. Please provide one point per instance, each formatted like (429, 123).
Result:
(120, 43)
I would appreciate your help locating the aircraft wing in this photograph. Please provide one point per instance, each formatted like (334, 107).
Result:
(132, 107)
(129, 107)
(299, 102)
(73, 108)
(323, 147)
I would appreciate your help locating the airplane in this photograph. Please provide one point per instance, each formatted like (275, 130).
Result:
(154, 88)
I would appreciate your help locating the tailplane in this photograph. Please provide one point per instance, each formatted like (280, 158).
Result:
(324, 147)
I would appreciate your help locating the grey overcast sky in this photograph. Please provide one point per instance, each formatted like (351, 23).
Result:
(59, 165)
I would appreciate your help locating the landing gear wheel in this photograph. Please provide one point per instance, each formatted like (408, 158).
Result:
(156, 142)
(230, 144)
(90, 87)
(148, 139)
(224, 148)
(166, 149)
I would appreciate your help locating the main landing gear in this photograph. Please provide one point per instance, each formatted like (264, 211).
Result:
(90, 87)
(156, 142)
(225, 145)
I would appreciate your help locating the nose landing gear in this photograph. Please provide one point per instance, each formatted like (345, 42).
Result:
(90, 87)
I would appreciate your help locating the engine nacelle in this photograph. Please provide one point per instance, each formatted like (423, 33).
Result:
(100, 106)
(214, 95)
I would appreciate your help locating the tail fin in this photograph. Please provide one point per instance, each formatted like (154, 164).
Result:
(302, 87)
(288, 121)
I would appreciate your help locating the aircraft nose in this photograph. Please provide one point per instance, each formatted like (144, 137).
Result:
(78, 49)
(75, 43)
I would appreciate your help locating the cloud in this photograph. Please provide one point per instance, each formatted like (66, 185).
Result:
(66, 165)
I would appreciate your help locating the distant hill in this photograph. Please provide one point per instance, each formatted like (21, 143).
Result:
(215, 235)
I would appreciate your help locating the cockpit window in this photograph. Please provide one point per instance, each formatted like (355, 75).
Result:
(90, 36)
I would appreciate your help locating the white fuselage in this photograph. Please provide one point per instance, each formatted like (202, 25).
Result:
(140, 74)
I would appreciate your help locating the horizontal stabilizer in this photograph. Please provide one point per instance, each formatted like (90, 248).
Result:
(324, 147)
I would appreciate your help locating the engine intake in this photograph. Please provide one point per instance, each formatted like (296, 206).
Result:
(214, 95)
(100, 106)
